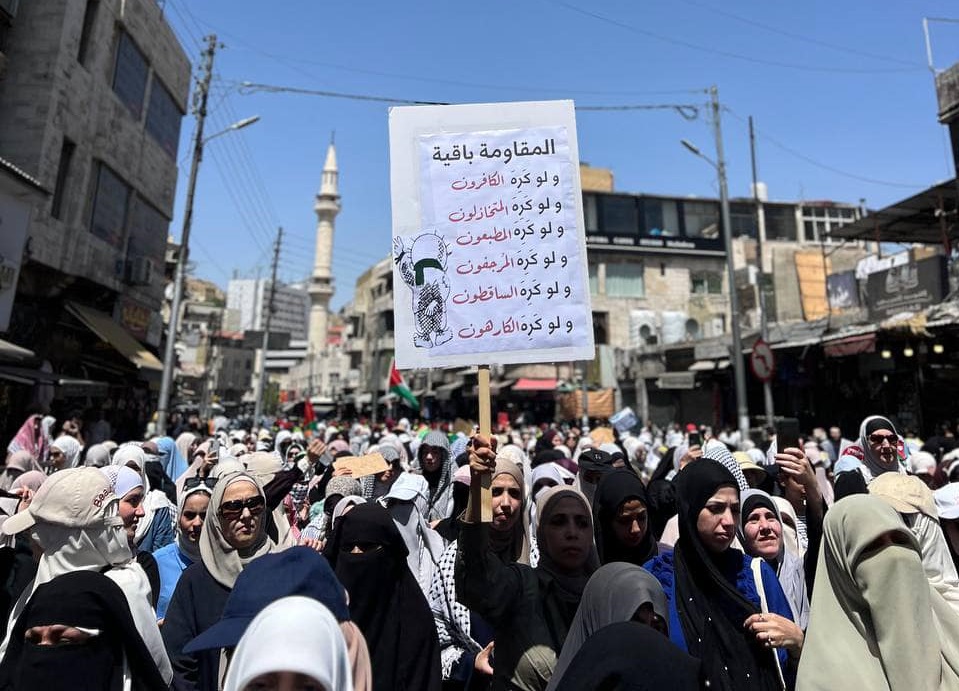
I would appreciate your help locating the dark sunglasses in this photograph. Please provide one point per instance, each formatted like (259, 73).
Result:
(878, 439)
(196, 481)
(234, 509)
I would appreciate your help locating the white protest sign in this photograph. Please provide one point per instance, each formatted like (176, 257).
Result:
(488, 243)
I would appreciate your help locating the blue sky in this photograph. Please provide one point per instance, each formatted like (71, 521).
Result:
(843, 102)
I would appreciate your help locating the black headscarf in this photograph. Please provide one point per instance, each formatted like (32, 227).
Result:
(614, 489)
(711, 610)
(385, 600)
(628, 656)
(89, 600)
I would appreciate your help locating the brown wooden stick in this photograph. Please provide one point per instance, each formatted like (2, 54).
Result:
(482, 494)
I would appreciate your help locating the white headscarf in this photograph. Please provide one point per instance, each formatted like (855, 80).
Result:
(317, 651)
(71, 449)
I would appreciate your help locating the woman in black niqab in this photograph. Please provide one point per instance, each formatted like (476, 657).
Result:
(84, 600)
(368, 555)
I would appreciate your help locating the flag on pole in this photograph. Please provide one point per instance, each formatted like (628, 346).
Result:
(309, 417)
(395, 384)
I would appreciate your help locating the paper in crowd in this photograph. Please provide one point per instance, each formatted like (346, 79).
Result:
(488, 242)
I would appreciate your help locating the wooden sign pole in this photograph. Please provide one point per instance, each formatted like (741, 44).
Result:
(481, 494)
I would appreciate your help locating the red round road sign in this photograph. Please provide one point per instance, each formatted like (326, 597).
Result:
(762, 361)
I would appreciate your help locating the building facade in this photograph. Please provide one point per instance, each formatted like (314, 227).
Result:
(92, 94)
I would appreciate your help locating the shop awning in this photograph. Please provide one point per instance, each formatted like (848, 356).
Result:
(535, 385)
(916, 219)
(708, 365)
(109, 331)
(495, 387)
(851, 345)
(444, 392)
(68, 385)
(11, 351)
(676, 380)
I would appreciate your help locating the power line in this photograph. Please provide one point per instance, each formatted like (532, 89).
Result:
(717, 51)
(291, 62)
(686, 110)
(251, 87)
(805, 39)
(819, 164)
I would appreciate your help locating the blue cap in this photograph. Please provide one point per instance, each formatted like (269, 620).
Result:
(294, 571)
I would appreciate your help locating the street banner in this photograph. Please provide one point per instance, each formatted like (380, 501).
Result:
(489, 249)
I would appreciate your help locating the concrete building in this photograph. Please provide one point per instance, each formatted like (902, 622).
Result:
(92, 95)
(202, 319)
(247, 302)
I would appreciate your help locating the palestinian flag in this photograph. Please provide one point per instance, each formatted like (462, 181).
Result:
(397, 386)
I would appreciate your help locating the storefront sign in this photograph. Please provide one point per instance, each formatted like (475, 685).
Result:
(907, 288)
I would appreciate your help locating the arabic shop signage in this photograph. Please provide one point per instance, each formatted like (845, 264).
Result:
(907, 288)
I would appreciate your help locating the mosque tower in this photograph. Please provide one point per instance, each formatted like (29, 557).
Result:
(327, 206)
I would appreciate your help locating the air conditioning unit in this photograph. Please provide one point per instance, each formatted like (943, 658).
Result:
(642, 328)
(140, 271)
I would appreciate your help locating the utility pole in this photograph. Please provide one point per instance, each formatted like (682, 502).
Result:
(760, 233)
(169, 355)
(739, 372)
(261, 380)
(376, 366)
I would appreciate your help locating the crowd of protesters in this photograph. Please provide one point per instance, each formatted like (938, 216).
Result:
(224, 557)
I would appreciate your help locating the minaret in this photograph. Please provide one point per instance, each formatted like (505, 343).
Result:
(327, 206)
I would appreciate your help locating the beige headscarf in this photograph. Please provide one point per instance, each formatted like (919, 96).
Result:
(222, 560)
(519, 539)
(912, 498)
(875, 621)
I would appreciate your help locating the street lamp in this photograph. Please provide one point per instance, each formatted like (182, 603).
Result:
(739, 371)
(169, 355)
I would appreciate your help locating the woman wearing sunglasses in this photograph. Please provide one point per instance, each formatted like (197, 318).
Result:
(232, 536)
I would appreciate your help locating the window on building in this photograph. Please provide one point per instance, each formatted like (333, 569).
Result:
(620, 215)
(780, 223)
(110, 200)
(89, 19)
(820, 221)
(706, 282)
(130, 75)
(661, 216)
(601, 328)
(594, 279)
(148, 231)
(742, 218)
(625, 280)
(701, 219)
(63, 174)
(591, 213)
(163, 118)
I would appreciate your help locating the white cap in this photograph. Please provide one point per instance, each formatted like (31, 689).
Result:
(74, 498)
